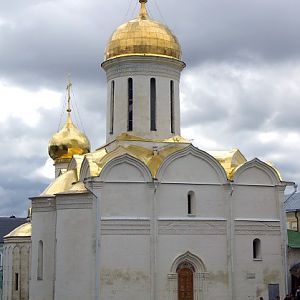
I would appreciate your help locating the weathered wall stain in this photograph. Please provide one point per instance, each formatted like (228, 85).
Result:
(259, 291)
(271, 276)
(112, 276)
(220, 276)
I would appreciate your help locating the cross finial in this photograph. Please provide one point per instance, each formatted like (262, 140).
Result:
(69, 85)
(143, 11)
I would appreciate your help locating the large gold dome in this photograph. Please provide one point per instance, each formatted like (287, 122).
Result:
(67, 142)
(143, 36)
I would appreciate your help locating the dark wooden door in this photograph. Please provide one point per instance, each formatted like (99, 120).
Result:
(185, 284)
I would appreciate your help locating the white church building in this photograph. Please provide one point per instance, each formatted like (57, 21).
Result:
(148, 216)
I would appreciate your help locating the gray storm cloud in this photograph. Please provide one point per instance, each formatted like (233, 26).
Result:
(241, 87)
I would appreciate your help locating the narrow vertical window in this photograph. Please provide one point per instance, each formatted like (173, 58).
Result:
(152, 104)
(16, 281)
(172, 106)
(130, 105)
(256, 249)
(40, 261)
(191, 203)
(112, 107)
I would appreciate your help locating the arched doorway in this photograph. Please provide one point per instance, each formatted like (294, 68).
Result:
(185, 273)
(187, 278)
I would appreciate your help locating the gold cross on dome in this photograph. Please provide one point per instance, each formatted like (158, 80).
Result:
(69, 85)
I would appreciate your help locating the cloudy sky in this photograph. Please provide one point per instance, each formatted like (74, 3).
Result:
(241, 87)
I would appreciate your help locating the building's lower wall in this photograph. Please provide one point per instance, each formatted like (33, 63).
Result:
(210, 276)
(253, 277)
(16, 270)
(125, 267)
(43, 231)
(75, 249)
(134, 268)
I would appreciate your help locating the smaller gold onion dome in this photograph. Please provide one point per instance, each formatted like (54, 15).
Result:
(69, 140)
(143, 36)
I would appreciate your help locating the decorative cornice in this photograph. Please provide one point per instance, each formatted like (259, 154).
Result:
(248, 227)
(192, 227)
(125, 227)
(40, 204)
(74, 202)
(147, 66)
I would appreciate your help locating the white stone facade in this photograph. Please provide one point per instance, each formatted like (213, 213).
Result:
(146, 232)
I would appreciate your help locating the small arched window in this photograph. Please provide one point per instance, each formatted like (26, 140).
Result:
(191, 203)
(257, 249)
(40, 266)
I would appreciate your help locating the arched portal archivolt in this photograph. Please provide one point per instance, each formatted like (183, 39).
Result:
(189, 271)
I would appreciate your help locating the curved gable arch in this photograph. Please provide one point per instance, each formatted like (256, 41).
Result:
(125, 168)
(195, 162)
(256, 172)
(72, 164)
(84, 169)
(189, 257)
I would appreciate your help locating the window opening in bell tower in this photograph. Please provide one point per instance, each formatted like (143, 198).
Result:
(153, 104)
(112, 107)
(130, 105)
(172, 106)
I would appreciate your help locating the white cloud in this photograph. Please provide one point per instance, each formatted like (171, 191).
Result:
(45, 171)
(24, 104)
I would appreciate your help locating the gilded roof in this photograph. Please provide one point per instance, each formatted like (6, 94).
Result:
(62, 183)
(152, 159)
(230, 160)
(143, 36)
(136, 147)
(68, 142)
(22, 231)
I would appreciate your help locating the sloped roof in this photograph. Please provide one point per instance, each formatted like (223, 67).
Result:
(23, 230)
(293, 238)
(292, 202)
(8, 224)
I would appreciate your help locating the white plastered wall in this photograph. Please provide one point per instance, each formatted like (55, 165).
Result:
(43, 229)
(257, 206)
(75, 247)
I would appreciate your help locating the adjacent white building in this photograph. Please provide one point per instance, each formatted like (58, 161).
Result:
(148, 215)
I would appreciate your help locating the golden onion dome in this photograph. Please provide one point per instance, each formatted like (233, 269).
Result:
(67, 142)
(143, 36)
